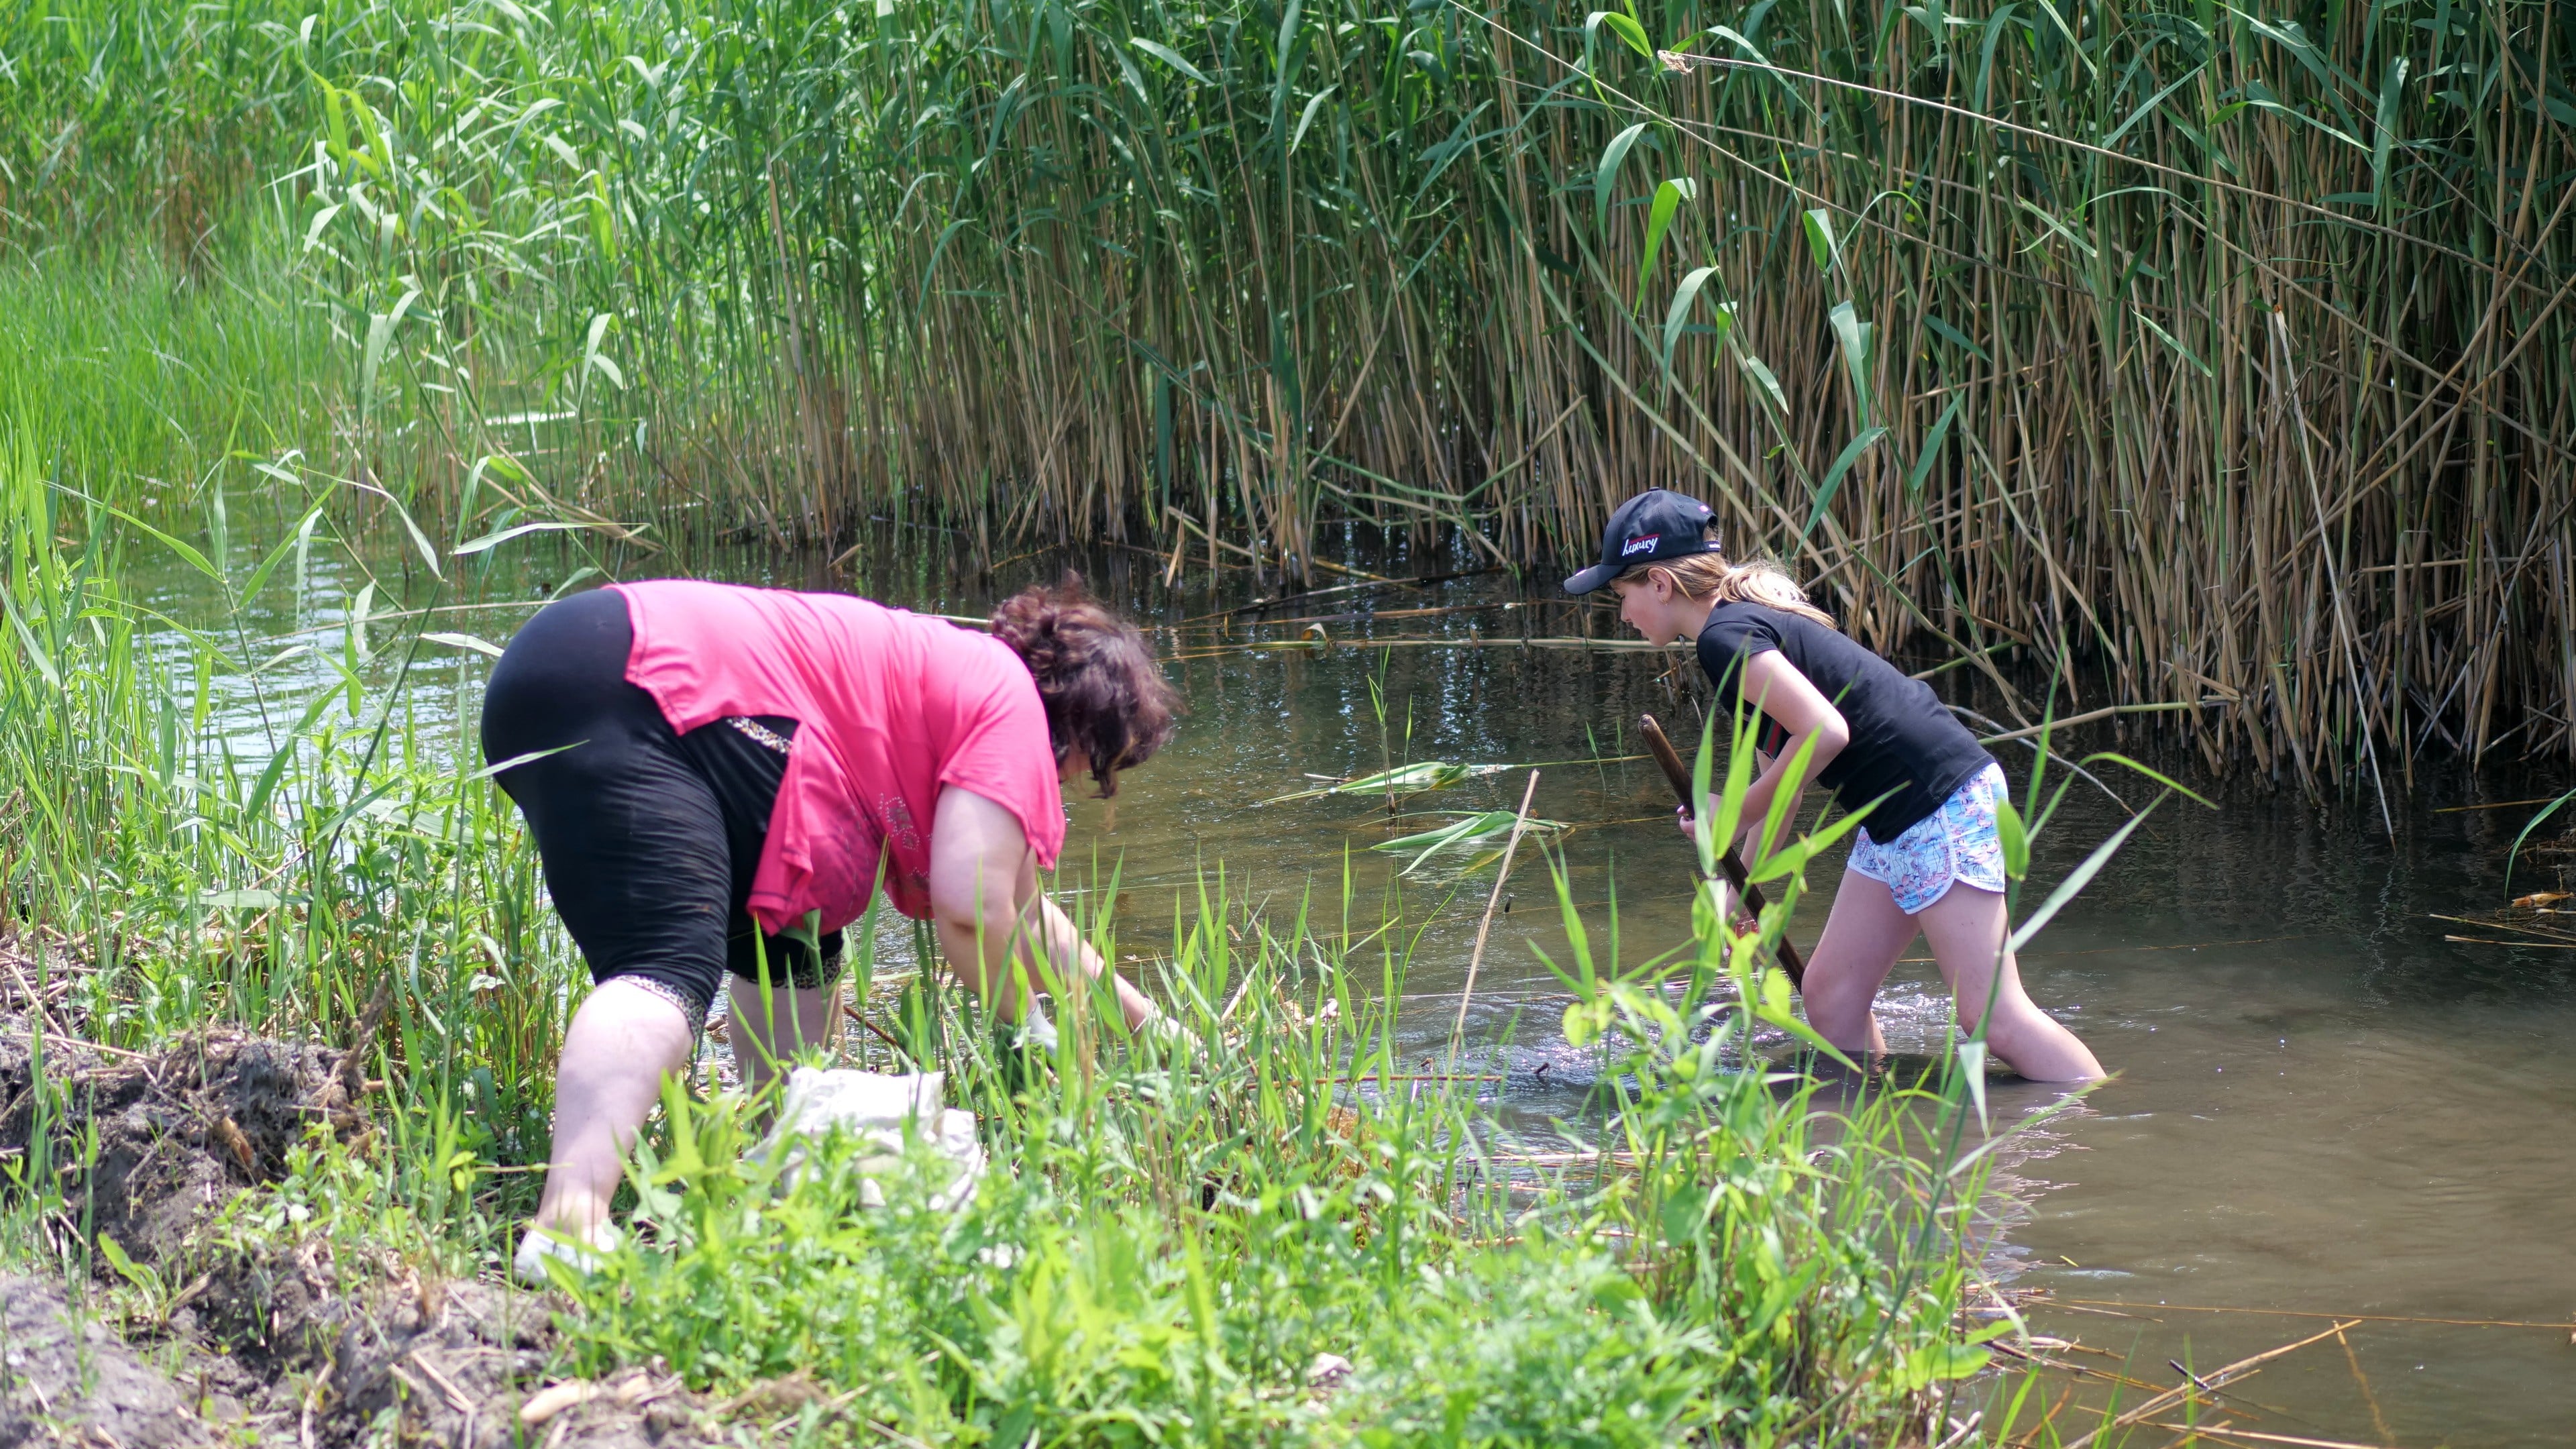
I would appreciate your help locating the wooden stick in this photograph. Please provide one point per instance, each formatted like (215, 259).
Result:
(1476, 958)
(1727, 860)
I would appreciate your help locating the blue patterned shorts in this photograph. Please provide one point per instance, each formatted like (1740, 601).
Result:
(1954, 843)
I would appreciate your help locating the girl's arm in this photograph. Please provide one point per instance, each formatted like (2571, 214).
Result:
(1777, 689)
(991, 917)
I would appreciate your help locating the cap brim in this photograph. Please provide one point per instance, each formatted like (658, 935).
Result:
(1593, 578)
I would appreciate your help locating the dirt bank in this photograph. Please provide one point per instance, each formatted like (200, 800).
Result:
(305, 1344)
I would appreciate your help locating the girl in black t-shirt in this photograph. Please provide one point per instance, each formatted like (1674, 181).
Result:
(1926, 858)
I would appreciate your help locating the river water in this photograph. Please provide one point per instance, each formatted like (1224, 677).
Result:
(2323, 1111)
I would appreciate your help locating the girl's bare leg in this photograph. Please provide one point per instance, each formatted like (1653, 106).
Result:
(1966, 928)
(624, 1040)
(768, 1029)
(1863, 937)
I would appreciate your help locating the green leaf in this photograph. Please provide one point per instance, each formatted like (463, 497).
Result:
(187, 552)
(515, 761)
(256, 806)
(419, 540)
(1770, 385)
(36, 654)
(133, 1272)
(358, 807)
(2160, 777)
(1931, 449)
(1834, 477)
(1307, 117)
(464, 641)
(1771, 1005)
(380, 336)
(1659, 219)
(1793, 856)
(1854, 335)
(2173, 342)
(2529, 826)
(1623, 27)
(321, 219)
(1677, 316)
(1956, 338)
(277, 555)
(1606, 175)
(1937, 1363)
(495, 540)
(1168, 56)
(591, 360)
(1972, 1068)
(2014, 838)
(1819, 225)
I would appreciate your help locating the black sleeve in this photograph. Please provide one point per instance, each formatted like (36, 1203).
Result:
(1729, 640)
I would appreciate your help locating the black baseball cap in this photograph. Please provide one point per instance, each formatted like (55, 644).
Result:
(1656, 524)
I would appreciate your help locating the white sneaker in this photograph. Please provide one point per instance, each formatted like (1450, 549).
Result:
(581, 1254)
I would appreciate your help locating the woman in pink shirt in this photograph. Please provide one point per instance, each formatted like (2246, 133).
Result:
(719, 779)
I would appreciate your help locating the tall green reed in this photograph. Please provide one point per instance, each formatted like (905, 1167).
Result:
(2222, 350)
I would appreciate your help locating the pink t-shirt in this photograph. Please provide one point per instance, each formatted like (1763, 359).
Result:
(889, 707)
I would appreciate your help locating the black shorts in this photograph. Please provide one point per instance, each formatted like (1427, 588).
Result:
(649, 837)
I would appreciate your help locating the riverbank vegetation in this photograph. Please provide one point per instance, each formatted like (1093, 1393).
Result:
(2223, 352)
(278, 1007)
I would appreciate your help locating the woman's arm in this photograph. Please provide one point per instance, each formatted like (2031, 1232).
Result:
(1063, 943)
(991, 917)
(1777, 689)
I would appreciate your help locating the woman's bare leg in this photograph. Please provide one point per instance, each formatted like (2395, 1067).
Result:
(1863, 937)
(624, 1040)
(1966, 928)
(768, 1029)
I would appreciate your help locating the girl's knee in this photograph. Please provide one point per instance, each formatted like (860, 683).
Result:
(1836, 1006)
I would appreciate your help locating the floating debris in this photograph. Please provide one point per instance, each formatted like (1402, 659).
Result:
(1414, 779)
(1487, 830)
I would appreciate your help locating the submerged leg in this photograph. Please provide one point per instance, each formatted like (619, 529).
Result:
(1862, 939)
(1967, 930)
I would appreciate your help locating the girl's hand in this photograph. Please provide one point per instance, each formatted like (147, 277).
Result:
(1682, 818)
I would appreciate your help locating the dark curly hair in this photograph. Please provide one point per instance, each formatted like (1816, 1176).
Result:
(1098, 679)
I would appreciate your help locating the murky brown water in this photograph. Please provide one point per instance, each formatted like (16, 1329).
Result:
(2323, 1110)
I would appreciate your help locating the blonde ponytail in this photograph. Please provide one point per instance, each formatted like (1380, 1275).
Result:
(1756, 581)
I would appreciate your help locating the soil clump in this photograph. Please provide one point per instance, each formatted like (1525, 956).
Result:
(178, 1134)
(305, 1343)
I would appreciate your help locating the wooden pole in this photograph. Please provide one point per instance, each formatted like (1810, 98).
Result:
(1727, 860)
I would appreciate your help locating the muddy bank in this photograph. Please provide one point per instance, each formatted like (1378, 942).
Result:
(301, 1343)
(178, 1134)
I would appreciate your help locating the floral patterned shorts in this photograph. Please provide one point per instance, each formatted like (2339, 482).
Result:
(1954, 843)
